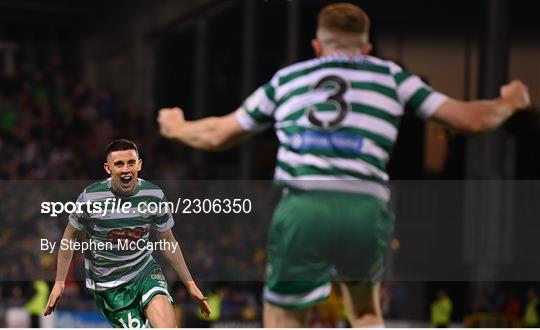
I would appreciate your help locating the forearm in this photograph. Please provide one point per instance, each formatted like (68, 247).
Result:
(490, 114)
(65, 255)
(176, 259)
(63, 262)
(201, 134)
(485, 115)
(178, 263)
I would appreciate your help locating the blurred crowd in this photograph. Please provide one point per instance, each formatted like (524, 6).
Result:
(54, 126)
(507, 307)
(53, 131)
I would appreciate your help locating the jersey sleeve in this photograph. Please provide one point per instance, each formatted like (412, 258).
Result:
(164, 219)
(416, 95)
(78, 219)
(257, 112)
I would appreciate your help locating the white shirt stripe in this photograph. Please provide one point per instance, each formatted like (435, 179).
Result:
(300, 101)
(431, 104)
(151, 291)
(297, 299)
(347, 74)
(248, 123)
(104, 271)
(158, 193)
(331, 182)
(165, 226)
(360, 121)
(97, 196)
(363, 97)
(259, 100)
(120, 257)
(375, 100)
(356, 165)
(409, 87)
(101, 286)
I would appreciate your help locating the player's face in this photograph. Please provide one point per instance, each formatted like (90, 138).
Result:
(123, 166)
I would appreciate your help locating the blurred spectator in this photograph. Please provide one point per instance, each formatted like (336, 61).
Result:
(441, 310)
(397, 300)
(392, 299)
(532, 310)
(37, 303)
(512, 309)
(106, 105)
(506, 309)
(181, 300)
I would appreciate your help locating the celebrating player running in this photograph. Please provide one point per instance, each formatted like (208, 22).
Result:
(128, 285)
(337, 118)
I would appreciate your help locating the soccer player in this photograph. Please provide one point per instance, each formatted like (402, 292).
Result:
(127, 284)
(337, 118)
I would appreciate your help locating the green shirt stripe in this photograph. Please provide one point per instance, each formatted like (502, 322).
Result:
(379, 164)
(270, 92)
(359, 85)
(355, 107)
(401, 77)
(259, 116)
(298, 171)
(123, 223)
(416, 100)
(337, 64)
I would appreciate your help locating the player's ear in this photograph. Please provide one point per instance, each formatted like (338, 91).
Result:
(367, 48)
(107, 168)
(139, 164)
(317, 47)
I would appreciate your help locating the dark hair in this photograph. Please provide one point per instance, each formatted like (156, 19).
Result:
(344, 17)
(121, 144)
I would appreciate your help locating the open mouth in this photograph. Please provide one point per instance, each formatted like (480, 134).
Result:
(126, 180)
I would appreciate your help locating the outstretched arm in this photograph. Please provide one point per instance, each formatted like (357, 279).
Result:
(62, 267)
(176, 260)
(484, 115)
(210, 134)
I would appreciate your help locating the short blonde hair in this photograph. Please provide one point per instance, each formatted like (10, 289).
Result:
(343, 20)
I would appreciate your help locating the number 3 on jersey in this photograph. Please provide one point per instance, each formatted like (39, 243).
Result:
(339, 89)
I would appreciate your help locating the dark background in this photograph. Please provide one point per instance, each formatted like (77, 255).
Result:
(86, 73)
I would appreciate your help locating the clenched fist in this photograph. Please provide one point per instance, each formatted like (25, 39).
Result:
(517, 93)
(170, 120)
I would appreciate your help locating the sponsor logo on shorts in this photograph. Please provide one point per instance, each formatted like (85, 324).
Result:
(157, 277)
(132, 322)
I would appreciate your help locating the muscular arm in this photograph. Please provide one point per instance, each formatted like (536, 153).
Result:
(65, 255)
(176, 260)
(62, 267)
(210, 134)
(484, 115)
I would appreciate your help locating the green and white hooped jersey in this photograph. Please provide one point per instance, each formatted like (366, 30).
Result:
(337, 119)
(107, 268)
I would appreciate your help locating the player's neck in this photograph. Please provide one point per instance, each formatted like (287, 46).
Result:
(342, 52)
